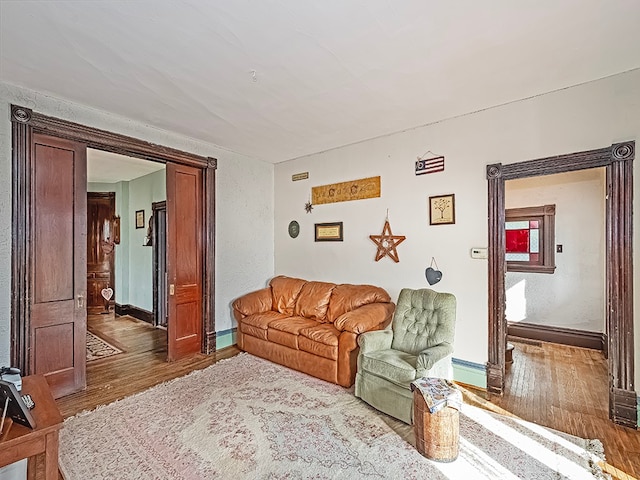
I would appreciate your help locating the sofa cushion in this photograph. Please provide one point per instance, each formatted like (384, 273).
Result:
(313, 300)
(263, 319)
(292, 324)
(345, 298)
(285, 291)
(321, 340)
(393, 365)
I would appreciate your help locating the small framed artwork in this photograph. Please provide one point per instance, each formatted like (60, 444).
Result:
(13, 406)
(116, 230)
(442, 210)
(328, 232)
(139, 218)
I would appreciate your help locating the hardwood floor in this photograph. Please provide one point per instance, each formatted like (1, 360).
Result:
(560, 387)
(565, 388)
(142, 365)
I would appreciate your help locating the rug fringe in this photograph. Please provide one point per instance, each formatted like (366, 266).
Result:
(595, 449)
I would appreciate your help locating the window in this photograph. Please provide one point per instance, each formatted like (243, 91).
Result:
(530, 239)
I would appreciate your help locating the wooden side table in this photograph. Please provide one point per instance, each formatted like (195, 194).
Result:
(23, 442)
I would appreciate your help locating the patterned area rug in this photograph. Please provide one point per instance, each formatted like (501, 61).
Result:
(99, 348)
(246, 418)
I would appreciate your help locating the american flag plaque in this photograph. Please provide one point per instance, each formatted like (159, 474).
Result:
(429, 165)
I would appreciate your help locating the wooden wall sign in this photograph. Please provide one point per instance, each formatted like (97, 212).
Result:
(429, 165)
(345, 191)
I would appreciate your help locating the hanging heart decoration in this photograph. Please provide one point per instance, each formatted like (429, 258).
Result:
(107, 293)
(433, 274)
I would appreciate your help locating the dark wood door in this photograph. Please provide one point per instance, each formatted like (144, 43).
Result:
(159, 263)
(59, 275)
(101, 251)
(184, 260)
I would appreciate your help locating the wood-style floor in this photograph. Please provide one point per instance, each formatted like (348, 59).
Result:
(560, 387)
(566, 388)
(142, 365)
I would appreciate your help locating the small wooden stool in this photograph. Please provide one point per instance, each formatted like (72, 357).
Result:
(437, 434)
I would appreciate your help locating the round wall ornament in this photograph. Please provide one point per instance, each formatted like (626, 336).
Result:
(294, 229)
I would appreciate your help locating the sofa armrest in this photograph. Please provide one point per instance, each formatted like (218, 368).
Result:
(373, 316)
(254, 302)
(429, 356)
(375, 340)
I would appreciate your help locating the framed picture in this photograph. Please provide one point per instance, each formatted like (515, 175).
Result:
(442, 210)
(15, 407)
(139, 218)
(328, 232)
(116, 230)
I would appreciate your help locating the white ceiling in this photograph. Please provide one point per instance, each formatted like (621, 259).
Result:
(327, 73)
(106, 167)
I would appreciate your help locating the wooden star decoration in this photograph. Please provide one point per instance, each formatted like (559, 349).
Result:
(387, 243)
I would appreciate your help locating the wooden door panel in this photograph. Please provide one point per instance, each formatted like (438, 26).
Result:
(184, 260)
(58, 248)
(53, 356)
(53, 224)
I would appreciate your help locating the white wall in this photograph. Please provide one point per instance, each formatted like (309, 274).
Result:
(574, 295)
(244, 203)
(588, 116)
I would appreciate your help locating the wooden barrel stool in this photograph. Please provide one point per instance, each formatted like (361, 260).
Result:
(437, 434)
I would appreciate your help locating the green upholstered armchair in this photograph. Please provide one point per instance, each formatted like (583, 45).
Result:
(418, 343)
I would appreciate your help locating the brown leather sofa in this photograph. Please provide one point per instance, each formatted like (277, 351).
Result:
(312, 327)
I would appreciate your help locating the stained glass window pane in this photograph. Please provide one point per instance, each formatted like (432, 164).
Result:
(517, 241)
(534, 241)
(534, 224)
(518, 225)
(517, 257)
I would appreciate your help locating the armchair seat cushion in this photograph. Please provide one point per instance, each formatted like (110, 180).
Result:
(394, 366)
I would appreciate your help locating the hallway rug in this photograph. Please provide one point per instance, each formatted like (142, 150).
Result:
(247, 418)
(98, 347)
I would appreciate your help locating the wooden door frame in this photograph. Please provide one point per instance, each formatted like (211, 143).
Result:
(155, 208)
(24, 123)
(618, 161)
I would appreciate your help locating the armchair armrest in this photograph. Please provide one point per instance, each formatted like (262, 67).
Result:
(375, 340)
(429, 356)
(373, 316)
(254, 302)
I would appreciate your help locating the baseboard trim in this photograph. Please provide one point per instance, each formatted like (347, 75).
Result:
(564, 336)
(625, 408)
(226, 338)
(469, 373)
(135, 312)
